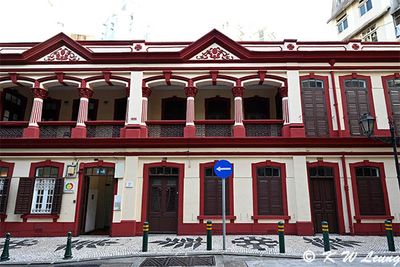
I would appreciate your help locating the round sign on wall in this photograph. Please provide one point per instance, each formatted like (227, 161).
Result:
(223, 168)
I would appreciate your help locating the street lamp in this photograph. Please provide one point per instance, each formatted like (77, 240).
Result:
(367, 126)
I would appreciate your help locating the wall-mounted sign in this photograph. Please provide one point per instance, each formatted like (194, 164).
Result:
(129, 184)
(71, 171)
(69, 187)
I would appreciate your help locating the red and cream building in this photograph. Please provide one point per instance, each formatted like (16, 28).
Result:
(100, 136)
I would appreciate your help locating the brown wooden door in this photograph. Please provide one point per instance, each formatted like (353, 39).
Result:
(323, 203)
(314, 108)
(163, 204)
(357, 103)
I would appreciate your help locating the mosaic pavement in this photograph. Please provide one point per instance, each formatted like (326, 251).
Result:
(51, 250)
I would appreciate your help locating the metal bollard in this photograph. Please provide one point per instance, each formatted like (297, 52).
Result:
(145, 236)
(325, 234)
(68, 249)
(389, 235)
(281, 234)
(5, 255)
(209, 235)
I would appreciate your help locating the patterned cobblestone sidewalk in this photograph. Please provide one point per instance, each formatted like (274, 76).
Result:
(51, 250)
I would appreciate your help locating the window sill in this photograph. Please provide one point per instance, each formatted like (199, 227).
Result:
(231, 218)
(373, 217)
(3, 217)
(25, 217)
(270, 217)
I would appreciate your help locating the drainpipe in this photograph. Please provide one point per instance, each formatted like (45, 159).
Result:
(347, 194)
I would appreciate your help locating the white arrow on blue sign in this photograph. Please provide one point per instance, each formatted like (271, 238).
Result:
(223, 169)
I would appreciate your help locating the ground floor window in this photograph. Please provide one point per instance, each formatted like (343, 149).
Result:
(6, 170)
(269, 189)
(41, 193)
(369, 189)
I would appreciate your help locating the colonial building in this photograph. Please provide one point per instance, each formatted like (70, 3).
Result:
(100, 136)
(367, 20)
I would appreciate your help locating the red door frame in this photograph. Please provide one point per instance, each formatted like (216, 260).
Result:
(79, 207)
(338, 192)
(145, 190)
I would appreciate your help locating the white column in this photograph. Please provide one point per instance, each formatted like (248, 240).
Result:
(294, 97)
(85, 94)
(303, 210)
(146, 92)
(190, 93)
(238, 92)
(135, 99)
(37, 106)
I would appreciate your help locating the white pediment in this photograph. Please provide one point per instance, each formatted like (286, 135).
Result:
(62, 54)
(214, 52)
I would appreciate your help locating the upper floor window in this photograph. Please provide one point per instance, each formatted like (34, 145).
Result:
(256, 107)
(342, 23)
(396, 21)
(370, 35)
(365, 6)
(14, 105)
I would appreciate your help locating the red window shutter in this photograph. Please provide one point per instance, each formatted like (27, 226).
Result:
(57, 198)
(4, 195)
(24, 195)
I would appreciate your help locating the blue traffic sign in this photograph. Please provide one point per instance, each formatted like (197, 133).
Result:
(223, 169)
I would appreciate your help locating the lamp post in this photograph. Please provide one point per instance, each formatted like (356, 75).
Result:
(367, 126)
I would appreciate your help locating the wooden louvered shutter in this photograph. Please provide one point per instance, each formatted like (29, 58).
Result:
(57, 197)
(24, 195)
(269, 191)
(394, 93)
(213, 195)
(4, 189)
(314, 110)
(357, 104)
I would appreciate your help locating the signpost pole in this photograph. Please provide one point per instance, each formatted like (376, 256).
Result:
(223, 215)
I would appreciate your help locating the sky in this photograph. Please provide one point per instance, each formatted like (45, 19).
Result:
(167, 20)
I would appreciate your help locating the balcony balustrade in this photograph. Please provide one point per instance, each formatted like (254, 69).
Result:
(165, 128)
(104, 129)
(56, 129)
(214, 128)
(262, 128)
(12, 129)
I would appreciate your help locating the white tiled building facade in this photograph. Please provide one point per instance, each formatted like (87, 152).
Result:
(99, 136)
(367, 20)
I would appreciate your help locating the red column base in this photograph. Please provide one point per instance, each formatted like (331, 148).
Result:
(31, 132)
(78, 132)
(293, 130)
(189, 131)
(133, 131)
(239, 131)
(305, 228)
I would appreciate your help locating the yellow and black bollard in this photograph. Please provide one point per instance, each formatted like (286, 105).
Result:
(145, 236)
(68, 248)
(281, 234)
(209, 235)
(389, 235)
(325, 235)
(5, 256)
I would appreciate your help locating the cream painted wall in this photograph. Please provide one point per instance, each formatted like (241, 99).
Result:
(155, 100)
(379, 102)
(106, 96)
(297, 186)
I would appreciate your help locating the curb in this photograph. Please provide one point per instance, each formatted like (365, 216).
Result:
(192, 253)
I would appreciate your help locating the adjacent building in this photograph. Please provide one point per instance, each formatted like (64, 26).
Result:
(98, 137)
(367, 20)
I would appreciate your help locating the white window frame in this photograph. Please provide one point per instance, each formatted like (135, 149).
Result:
(368, 33)
(43, 195)
(342, 24)
(364, 6)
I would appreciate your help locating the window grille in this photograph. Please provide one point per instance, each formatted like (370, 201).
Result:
(43, 195)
